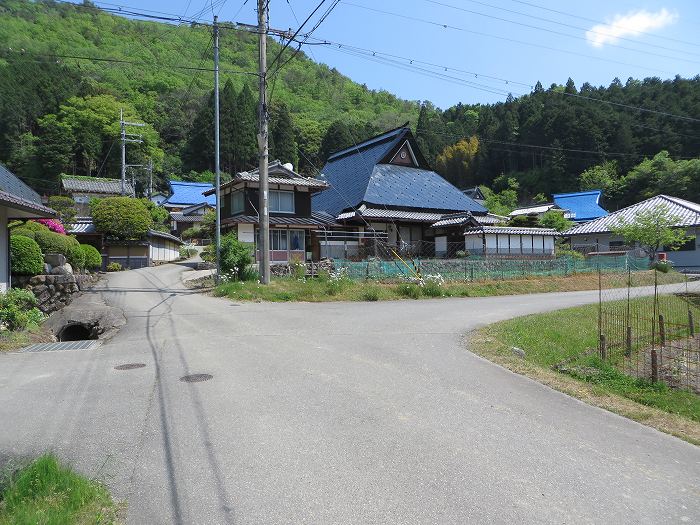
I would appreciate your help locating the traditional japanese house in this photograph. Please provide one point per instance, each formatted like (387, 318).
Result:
(385, 185)
(292, 223)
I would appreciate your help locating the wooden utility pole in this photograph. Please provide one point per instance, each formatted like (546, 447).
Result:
(217, 168)
(263, 213)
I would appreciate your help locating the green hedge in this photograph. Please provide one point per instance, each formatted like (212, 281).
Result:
(18, 309)
(93, 259)
(25, 255)
(121, 217)
(51, 242)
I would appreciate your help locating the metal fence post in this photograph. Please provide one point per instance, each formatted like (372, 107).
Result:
(628, 343)
(691, 323)
(603, 349)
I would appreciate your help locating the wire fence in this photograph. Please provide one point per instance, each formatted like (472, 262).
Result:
(648, 329)
(480, 268)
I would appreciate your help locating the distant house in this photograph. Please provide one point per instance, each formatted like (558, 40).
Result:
(155, 248)
(476, 194)
(385, 185)
(158, 198)
(596, 235)
(188, 217)
(538, 210)
(82, 189)
(582, 206)
(509, 241)
(17, 201)
(186, 194)
(291, 220)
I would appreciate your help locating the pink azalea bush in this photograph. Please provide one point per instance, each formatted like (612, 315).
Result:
(53, 225)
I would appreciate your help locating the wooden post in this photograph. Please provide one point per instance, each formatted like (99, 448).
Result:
(603, 349)
(628, 346)
(654, 366)
(691, 323)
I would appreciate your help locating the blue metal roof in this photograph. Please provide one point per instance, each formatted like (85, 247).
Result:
(356, 176)
(189, 193)
(583, 205)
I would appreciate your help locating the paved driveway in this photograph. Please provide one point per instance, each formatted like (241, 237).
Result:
(333, 413)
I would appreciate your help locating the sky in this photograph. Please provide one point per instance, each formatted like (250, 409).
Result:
(478, 51)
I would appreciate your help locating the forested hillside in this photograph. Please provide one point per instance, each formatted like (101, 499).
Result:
(60, 114)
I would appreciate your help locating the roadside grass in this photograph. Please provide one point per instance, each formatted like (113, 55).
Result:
(287, 289)
(45, 492)
(567, 339)
(10, 341)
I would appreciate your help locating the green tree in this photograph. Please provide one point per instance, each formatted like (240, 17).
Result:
(65, 206)
(160, 217)
(456, 162)
(121, 217)
(653, 229)
(503, 202)
(555, 219)
(245, 147)
(283, 145)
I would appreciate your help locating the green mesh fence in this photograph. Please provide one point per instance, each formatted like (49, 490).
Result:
(481, 268)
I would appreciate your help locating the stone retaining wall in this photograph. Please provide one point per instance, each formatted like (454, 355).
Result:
(53, 292)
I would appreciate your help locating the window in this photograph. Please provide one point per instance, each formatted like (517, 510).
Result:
(281, 201)
(296, 240)
(278, 239)
(237, 202)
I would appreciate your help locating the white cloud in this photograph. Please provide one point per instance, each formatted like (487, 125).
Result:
(632, 23)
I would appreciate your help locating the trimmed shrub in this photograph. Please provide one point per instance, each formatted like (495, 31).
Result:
(34, 226)
(25, 255)
(51, 242)
(121, 217)
(114, 267)
(53, 225)
(93, 259)
(23, 231)
(18, 309)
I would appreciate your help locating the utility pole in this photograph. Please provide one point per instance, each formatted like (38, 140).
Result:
(125, 137)
(150, 177)
(263, 213)
(217, 167)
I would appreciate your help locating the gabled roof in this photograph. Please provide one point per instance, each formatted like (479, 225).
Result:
(393, 215)
(189, 193)
(463, 219)
(475, 193)
(687, 212)
(22, 201)
(75, 183)
(191, 209)
(538, 208)
(278, 173)
(582, 205)
(361, 174)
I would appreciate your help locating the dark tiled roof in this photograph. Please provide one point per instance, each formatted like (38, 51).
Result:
(687, 212)
(26, 207)
(462, 219)
(397, 215)
(163, 235)
(316, 219)
(179, 216)
(191, 209)
(189, 193)
(82, 225)
(357, 177)
(10, 183)
(507, 230)
(277, 174)
(583, 205)
(73, 184)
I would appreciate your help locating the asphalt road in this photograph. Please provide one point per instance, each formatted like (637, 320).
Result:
(332, 413)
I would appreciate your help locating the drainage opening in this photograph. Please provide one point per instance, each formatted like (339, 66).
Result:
(77, 332)
(196, 378)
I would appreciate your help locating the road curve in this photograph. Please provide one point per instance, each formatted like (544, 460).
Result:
(332, 413)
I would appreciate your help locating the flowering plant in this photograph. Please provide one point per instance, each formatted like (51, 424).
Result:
(53, 225)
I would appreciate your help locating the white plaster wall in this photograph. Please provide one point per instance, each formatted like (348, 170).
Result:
(246, 232)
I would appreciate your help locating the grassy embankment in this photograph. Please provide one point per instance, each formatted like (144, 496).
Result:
(48, 493)
(320, 290)
(560, 351)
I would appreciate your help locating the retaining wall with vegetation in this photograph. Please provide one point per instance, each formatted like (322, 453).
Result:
(53, 292)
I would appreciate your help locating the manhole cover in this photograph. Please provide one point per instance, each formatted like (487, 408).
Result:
(196, 378)
(129, 366)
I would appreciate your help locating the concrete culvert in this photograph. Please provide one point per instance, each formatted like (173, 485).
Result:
(77, 332)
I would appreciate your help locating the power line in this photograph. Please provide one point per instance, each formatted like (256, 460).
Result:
(549, 20)
(296, 33)
(522, 42)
